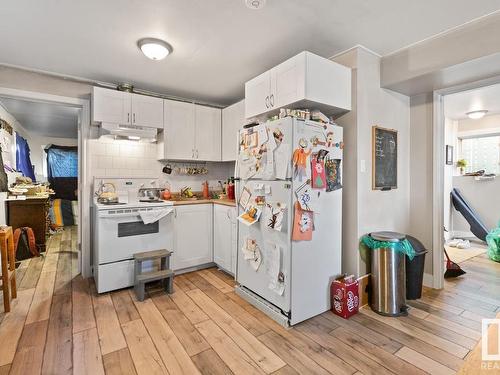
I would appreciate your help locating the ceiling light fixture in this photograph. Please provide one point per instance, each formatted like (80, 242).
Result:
(476, 115)
(154, 49)
(255, 4)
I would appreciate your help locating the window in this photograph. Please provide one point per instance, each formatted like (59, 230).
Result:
(482, 153)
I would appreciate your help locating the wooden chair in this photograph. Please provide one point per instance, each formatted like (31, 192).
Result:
(8, 261)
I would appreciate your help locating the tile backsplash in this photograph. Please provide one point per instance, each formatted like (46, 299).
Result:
(122, 158)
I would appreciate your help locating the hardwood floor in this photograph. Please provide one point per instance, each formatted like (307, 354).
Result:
(59, 325)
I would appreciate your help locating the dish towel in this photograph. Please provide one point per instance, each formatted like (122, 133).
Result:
(153, 216)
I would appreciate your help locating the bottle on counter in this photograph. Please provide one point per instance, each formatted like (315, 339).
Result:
(230, 189)
(206, 194)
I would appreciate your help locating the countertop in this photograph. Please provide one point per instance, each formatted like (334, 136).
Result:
(224, 202)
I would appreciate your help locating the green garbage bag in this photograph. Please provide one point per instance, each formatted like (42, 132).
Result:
(403, 246)
(493, 241)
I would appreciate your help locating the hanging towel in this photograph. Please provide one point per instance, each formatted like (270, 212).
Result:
(153, 216)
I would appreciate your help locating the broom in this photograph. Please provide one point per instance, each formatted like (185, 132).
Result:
(452, 269)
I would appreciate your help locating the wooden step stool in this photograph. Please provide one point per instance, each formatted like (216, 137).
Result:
(164, 273)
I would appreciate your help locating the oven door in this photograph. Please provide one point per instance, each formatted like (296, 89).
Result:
(121, 234)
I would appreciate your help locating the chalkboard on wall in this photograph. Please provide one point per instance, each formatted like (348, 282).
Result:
(384, 158)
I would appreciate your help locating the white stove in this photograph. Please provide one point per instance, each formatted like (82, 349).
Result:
(130, 205)
(120, 231)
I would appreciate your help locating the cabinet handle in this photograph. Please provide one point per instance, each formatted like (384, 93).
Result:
(175, 213)
(267, 101)
(192, 153)
(134, 117)
(271, 99)
(228, 214)
(128, 116)
(197, 155)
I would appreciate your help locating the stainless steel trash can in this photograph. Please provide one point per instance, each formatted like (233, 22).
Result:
(388, 277)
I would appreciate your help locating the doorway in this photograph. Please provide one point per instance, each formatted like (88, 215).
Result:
(466, 167)
(51, 148)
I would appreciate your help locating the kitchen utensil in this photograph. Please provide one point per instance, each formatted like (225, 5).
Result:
(149, 194)
(107, 193)
(167, 169)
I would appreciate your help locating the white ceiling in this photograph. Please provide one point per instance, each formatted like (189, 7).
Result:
(218, 44)
(44, 119)
(457, 105)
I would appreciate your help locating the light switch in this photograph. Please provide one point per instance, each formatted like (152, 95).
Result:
(362, 167)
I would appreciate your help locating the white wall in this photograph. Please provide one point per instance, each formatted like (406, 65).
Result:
(450, 138)
(487, 125)
(483, 198)
(112, 158)
(372, 210)
(421, 167)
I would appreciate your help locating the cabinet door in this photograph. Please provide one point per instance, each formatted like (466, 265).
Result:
(288, 82)
(178, 130)
(192, 236)
(257, 92)
(111, 106)
(222, 237)
(207, 133)
(233, 118)
(147, 111)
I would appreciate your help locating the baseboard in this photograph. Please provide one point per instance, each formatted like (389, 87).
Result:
(428, 280)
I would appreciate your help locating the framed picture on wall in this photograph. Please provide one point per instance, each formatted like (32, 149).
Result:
(449, 155)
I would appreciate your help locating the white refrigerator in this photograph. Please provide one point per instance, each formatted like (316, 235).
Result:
(285, 267)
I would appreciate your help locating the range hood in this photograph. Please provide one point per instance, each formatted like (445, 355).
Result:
(132, 132)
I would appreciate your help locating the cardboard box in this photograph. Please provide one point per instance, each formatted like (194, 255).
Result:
(345, 296)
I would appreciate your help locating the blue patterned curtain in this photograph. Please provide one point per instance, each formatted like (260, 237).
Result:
(62, 162)
(62, 171)
(23, 161)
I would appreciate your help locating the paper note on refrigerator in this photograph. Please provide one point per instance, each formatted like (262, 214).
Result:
(273, 265)
(282, 161)
(274, 214)
(262, 132)
(251, 253)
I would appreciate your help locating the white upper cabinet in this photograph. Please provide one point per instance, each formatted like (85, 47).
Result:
(258, 95)
(304, 81)
(124, 108)
(233, 119)
(288, 82)
(191, 132)
(207, 133)
(147, 111)
(179, 130)
(111, 106)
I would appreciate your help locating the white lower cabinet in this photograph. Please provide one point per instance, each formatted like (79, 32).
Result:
(225, 241)
(193, 231)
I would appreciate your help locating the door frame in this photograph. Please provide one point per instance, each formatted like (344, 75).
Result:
(84, 184)
(438, 136)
